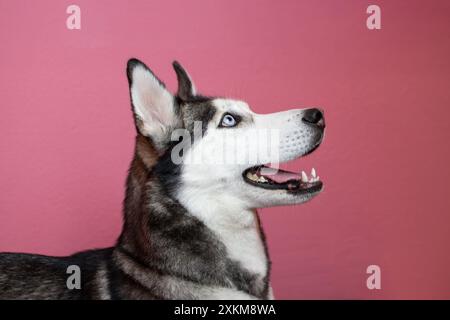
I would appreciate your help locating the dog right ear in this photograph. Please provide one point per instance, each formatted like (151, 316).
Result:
(153, 106)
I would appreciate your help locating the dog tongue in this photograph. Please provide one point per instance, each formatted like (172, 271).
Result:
(279, 176)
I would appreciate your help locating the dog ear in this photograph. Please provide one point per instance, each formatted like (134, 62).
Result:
(186, 88)
(153, 106)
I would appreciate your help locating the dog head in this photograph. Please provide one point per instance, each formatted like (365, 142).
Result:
(209, 146)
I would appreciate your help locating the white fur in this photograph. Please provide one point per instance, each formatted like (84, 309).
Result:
(270, 295)
(214, 191)
(295, 139)
(232, 222)
(102, 283)
(218, 195)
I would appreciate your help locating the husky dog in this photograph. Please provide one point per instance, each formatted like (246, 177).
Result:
(190, 230)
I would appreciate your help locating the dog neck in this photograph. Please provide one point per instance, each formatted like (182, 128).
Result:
(179, 236)
(236, 226)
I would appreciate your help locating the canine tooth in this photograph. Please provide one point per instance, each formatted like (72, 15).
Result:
(262, 179)
(317, 178)
(252, 176)
(313, 172)
(304, 177)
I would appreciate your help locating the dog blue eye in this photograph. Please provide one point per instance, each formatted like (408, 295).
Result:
(228, 121)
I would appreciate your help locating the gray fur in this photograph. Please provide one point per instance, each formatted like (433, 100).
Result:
(162, 252)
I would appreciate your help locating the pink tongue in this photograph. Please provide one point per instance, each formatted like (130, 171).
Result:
(280, 176)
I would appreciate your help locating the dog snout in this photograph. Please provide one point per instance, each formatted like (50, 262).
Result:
(314, 116)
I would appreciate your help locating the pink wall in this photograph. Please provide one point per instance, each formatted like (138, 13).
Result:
(67, 132)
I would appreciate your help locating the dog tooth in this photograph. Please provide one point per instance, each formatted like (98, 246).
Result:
(304, 177)
(252, 176)
(313, 172)
(262, 179)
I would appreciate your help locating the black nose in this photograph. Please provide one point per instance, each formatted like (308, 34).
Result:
(314, 116)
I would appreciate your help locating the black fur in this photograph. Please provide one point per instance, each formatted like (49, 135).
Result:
(161, 245)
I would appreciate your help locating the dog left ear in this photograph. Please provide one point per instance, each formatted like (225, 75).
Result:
(186, 88)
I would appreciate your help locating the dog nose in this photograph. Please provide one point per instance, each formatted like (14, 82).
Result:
(314, 116)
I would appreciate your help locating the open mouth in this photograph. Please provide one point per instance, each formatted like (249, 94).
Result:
(277, 179)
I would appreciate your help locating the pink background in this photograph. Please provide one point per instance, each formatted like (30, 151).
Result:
(67, 132)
